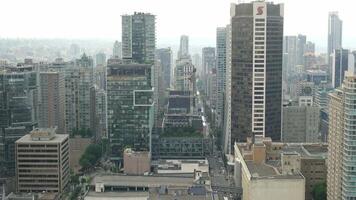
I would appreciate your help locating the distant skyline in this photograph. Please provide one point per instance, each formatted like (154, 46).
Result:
(83, 19)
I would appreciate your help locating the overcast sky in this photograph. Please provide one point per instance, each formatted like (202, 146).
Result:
(197, 18)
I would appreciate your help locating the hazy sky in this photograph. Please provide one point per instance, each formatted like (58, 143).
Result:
(196, 18)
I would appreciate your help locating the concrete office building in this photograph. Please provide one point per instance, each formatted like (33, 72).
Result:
(130, 107)
(256, 70)
(42, 161)
(52, 101)
(220, 74)
(301, 124)
(339, 65)
(183, 47)
(139, 37)
(334, 37)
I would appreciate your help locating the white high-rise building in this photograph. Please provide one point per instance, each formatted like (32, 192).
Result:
(334, 35)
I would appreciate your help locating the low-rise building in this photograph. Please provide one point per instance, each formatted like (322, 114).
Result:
(275, 170)
(136, 162)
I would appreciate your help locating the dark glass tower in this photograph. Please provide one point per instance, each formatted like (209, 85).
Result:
(139, 37)
(256, 70)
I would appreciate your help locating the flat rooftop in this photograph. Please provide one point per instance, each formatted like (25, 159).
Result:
(182, 166)
(58, 138)
(141, 181)
(265, 170)
(116, 196)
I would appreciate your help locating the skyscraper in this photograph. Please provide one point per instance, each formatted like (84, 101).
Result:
(183, 47)
(18, 113)
(139, 37)
(221, 73)
(100, 59)
(342, 112)
(117, 50)
(334, 36)
(79, 78)
(52, 101)
(289, 57)
(165, 57)
(301, 43)
(227, 105)
(208, 63)
(339, 65)
(184, 75)
(130, 107)
(256, 70)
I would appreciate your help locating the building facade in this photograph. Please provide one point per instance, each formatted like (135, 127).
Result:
(256, 70)
(130, 107)
(184, 47)
(339, 66)
(79, 78)
(334, 37)
(341, 171)
(52, 101)
(165, 57)
(18, 113)
(139, 37)
(42, 161)
(208, 63)
(117, 50)
(184, 75)
(301, 124)
(220, 74)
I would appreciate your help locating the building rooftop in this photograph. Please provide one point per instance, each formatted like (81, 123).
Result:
(182, 166)
(142, 181)
(117, 196)
(43, 135)
(260, 170)
(270, 165)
